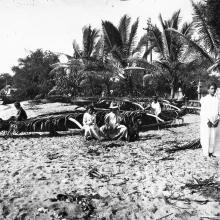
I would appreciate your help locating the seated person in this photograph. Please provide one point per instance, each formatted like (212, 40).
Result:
(155, 105)
(112, 129)
(89, 124)
(21, 114)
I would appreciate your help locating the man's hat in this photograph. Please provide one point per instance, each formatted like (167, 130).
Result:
(113, 106)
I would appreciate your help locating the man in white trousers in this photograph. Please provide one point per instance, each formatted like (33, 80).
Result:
(209, 121)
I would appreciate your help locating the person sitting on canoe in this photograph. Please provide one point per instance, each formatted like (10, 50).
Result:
(155, 105)
(21, 114)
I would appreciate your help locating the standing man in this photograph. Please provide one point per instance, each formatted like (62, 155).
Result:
(209, 120)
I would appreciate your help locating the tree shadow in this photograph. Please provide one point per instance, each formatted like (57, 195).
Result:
(162, 126)
(149, 136)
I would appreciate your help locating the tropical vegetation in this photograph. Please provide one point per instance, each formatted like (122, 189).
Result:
(114, 59)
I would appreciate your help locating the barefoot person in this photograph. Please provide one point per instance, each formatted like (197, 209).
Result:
(209, 120)
(89, 124)
(112, 129)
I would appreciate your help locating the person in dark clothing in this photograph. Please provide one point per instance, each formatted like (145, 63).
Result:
(21, 114)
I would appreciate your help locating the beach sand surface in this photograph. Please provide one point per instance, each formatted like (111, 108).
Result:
(118, 180)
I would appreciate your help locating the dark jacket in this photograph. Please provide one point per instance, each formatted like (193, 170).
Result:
(21, 114)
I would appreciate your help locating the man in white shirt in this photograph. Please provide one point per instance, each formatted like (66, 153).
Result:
(155, 105)
(112, 129)
(209, 121)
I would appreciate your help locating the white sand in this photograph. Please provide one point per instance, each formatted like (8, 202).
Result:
(139, 181)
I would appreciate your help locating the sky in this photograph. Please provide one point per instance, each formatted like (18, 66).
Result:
(26, 25)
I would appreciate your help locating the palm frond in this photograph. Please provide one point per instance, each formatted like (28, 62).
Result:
(98, 52)
(157, 40)
(193, 44)
(213, 19)
(142, 43)
(89, 37)
(132, 36)
(112, 37)
(118, 55)
(123, 28)
(165, 43)
(76, 48)
(164, 26)
(202, 27)
(175, 20)
(187, 29)
(215, 66)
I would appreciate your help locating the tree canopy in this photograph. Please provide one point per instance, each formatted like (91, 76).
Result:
(32, 73)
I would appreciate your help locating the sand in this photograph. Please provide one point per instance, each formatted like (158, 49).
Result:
(137, 180)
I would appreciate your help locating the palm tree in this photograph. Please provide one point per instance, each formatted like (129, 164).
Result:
(170, 48)
(207, 43)
(89, 65)
(120, 41)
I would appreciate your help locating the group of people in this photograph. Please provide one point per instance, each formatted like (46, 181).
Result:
(112, 128)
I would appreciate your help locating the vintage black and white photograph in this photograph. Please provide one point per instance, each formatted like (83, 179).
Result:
(110, 109)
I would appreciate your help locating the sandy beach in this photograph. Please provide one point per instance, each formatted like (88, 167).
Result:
(43, 177)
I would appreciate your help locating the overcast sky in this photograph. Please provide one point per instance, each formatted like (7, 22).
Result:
(53, 24)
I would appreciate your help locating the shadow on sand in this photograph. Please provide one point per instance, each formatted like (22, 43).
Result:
(160, 127)
(41, 135)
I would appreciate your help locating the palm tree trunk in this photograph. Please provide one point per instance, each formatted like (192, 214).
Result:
(91, 85)
(107, 84)
(172, 92)
(173, 85)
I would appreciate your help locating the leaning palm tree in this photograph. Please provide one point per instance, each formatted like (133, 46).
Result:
(207, 42)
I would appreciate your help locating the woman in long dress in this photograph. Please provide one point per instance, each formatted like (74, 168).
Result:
(89, 124)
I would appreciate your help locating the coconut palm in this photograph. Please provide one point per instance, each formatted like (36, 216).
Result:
(207, 42)
(89, 65)
(170, 48)
(120, 41)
